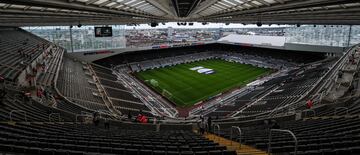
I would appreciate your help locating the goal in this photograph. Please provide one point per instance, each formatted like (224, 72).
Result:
(167, 94)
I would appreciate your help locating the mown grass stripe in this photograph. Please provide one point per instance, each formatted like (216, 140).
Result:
(189, 87)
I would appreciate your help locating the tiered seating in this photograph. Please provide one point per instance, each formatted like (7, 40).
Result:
(120, 94)
(34, 111)
(315, 136)
(261, 61)
(241, 101)
(123, 100)
(106, 76)
(139, 56)
(12, 41)
(116, 85)
(162, 62)
(86, 139)
(73, 108)
(270, 104)
(132, 105)
(99, 69)
(73, 83)
(349, 107)
(53, 61)
(90, 105)
(134, 108)
(291, 89)
(265, 53)
(227, 109)
(114, 89)
(133, 112)
(275, 93)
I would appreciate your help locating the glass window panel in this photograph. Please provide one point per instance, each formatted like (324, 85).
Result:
(329, 35)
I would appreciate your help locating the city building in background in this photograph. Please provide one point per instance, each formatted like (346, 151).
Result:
(83, 38)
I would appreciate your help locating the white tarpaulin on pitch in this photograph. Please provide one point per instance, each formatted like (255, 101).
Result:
(205, 71)
(255, 40)
(196, 68)
(202, 70)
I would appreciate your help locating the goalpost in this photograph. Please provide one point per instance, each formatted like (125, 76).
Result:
(166, 93)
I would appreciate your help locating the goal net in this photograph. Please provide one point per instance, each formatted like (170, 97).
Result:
(166, 94)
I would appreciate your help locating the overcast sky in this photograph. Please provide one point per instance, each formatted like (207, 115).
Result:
(198, 25)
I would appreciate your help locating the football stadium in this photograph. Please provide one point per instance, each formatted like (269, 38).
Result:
(179, 77)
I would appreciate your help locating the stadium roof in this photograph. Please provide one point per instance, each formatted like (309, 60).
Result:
(103, 12)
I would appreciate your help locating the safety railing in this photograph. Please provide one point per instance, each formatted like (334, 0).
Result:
(240, 134)
(330, 84)
(18, 111)
(86, 113)
(217, 126)
(339, 108)
(307, 111)
(285, 131)
(54, 114)
(81, 115)
(323, 82)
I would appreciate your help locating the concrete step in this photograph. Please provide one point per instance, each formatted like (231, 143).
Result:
(235, 146)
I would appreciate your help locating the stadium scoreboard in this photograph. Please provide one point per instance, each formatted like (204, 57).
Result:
(103, 31)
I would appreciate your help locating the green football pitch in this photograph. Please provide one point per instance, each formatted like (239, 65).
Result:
(186, 87)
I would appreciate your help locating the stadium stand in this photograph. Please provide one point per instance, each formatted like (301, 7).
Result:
(76, 83)
(121, 94)
(50, 67)
(139, 56)
(17, 54)
(70, 107)
(164, 57)
(15, 106)
(289, 91)
(121, 98)
(53, 102)
(60, 123)
(70, 138)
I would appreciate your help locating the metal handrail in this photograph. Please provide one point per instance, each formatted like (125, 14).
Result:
(86, 113)
(20, 111)
(286, 131)
(103, 112)
(306, 112)
(217, 126)
(330, 73)
(56, 114)
(240, 134)
(343, 61)
(80, 115)
(337, 109)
